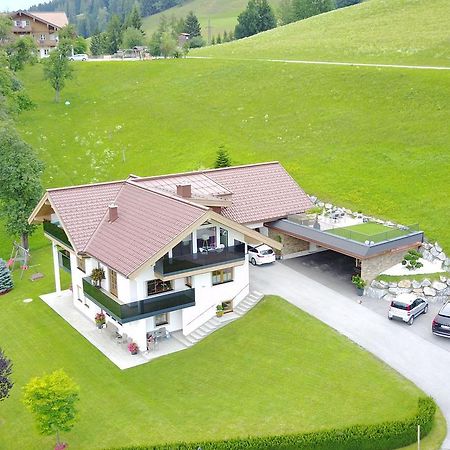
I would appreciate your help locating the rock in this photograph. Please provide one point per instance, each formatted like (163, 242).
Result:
(321, 204)
(441, 256)
(404, 284)
(425, 282)
(416, 284)
(313, 198)
(348, 211)
(389, 298)
(418, 291)
(328, 205)
(429, 292)
(426, 246)
(442, 279)
(440, 298)
(437, 247)
(427, 255)
(392, 284)
(375, 293)
(379, 284)
(434, 252)
(398, 291)
(438, 285)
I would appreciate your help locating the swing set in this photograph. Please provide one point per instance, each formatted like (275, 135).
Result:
(20, 256)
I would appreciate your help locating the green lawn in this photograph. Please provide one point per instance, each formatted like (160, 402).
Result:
(198, 393)
(222, 15)
(417, 277)
(375, 31)
(370, 231)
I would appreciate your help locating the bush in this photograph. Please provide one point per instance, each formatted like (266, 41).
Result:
(411, 260)
(383, 436)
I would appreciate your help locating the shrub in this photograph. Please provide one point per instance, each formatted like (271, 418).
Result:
(358, 281)
(411, 260)
(382, 436)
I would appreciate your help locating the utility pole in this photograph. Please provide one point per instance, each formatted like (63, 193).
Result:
(209, 30)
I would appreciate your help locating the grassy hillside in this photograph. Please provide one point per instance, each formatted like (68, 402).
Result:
(370, 139)
(222, 14)
(376, 31)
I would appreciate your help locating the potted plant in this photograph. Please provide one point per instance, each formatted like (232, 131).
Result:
(100, 320)
(219, 310)
(97, 275)
(359, 284)
(133, 348)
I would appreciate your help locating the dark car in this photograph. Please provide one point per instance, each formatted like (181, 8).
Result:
(441, 323)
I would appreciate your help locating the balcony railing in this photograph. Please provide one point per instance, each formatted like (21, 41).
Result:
(56, 232)
(64, 261)
(195, 261)
(148, 307)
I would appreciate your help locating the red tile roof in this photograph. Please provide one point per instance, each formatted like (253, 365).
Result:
(147, 222)
(81, 208)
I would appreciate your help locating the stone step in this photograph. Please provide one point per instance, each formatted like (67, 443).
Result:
(183, 339)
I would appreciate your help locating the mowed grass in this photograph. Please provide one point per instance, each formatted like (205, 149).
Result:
(242, 380)
(375, 31)
(220, 15)
(373, 140)
(368, 231)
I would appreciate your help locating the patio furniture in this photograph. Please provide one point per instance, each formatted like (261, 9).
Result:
(162, 333)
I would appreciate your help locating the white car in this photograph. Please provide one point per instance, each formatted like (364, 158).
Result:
(78, 57)
(407, 307)
(260, 254)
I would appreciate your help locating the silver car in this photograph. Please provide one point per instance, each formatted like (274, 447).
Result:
(407, 307)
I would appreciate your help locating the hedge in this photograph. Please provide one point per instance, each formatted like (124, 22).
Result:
(383, 436)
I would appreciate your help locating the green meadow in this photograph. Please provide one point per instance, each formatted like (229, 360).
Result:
(375, 31)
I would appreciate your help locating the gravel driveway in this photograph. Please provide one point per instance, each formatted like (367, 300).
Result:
(325, 293)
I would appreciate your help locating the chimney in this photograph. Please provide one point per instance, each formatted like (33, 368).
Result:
(184, 190)
(113, 212)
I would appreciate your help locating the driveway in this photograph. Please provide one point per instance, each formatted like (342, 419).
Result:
(427, 366)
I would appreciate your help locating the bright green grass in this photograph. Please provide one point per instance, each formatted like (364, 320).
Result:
(368, 231)
(376, 31)
(241, 380)
(417, 277)
(368, 139)
(222, 14)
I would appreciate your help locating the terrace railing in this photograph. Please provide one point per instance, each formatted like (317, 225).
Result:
(195, 261)
(140, 309)
(56, 232)
(64, 261)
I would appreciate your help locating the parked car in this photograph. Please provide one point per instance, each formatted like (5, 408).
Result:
(79, 57)
(260, 254)
(407, 307)
(441, 323)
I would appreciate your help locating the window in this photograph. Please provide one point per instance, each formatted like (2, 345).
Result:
(42, 37)
(158, 286)
(224, 237)
(222, 276)
(188, 281)
(161, 319)
(113, 282)
(81, 264)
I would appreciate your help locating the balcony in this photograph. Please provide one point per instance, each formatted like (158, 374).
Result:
(56, 232)
(196, 261)
(64, 261)
(141, 309)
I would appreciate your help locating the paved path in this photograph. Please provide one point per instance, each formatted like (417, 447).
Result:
(330, 63)
(424, 363)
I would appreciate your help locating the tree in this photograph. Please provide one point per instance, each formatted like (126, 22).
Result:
(219, 39)
(285, 12)
(57, 70)
(222, 158)
(168, 44)
(21, 52)
(257, 17)
(133, 20)
(132, 37)
(196, 42)
(20, 173)
(6, 384)
(192, 25)
(6, 284)
(213, 41)
(51, 399)
(5, 29)
(302, 9)
(114, 32)
(344, 3)
(99, 44)
(79, 45)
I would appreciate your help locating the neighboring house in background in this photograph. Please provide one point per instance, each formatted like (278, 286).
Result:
(183, 38)
(43, 27)
(172, 247)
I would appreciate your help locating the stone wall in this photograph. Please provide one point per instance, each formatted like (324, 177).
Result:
(290, 244)
(372, 267)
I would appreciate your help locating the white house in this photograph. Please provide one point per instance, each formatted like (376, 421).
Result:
(172, 247)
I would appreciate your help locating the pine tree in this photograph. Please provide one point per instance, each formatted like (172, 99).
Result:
(133, 20)
(213, 41)
(222, 158)
(6, 283)
(219, 39)
(192, 25)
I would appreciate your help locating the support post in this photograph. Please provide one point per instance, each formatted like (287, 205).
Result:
(56, 269)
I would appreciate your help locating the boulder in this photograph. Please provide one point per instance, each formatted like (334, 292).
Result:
(375, 293)
(321, 204)
(437, 247)
(427, 255)
(425, 246)
(418, 291)
(434, 252)
(392, 284)
(398, 291)
(429, 292)
(425, 282)
(443, 279)
(389, 298)
(416, 284)
(441, 256)
(379, 284)
(438, 285)
(404, 284)
(328, 205)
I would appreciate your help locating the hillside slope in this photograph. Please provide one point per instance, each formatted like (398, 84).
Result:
(222, 14)
(381, 31)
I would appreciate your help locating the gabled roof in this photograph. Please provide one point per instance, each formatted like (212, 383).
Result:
(147, 222)
(57, 19)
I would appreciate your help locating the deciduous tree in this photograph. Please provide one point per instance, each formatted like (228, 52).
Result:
(6, 383)
(57, 70)
(52, 399)
(132, 37)
(99, 44)
(20, 179)
(168, 44)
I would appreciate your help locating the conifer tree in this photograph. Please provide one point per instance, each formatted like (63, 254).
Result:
(6, 283)
(192, 25)
(222, 158)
